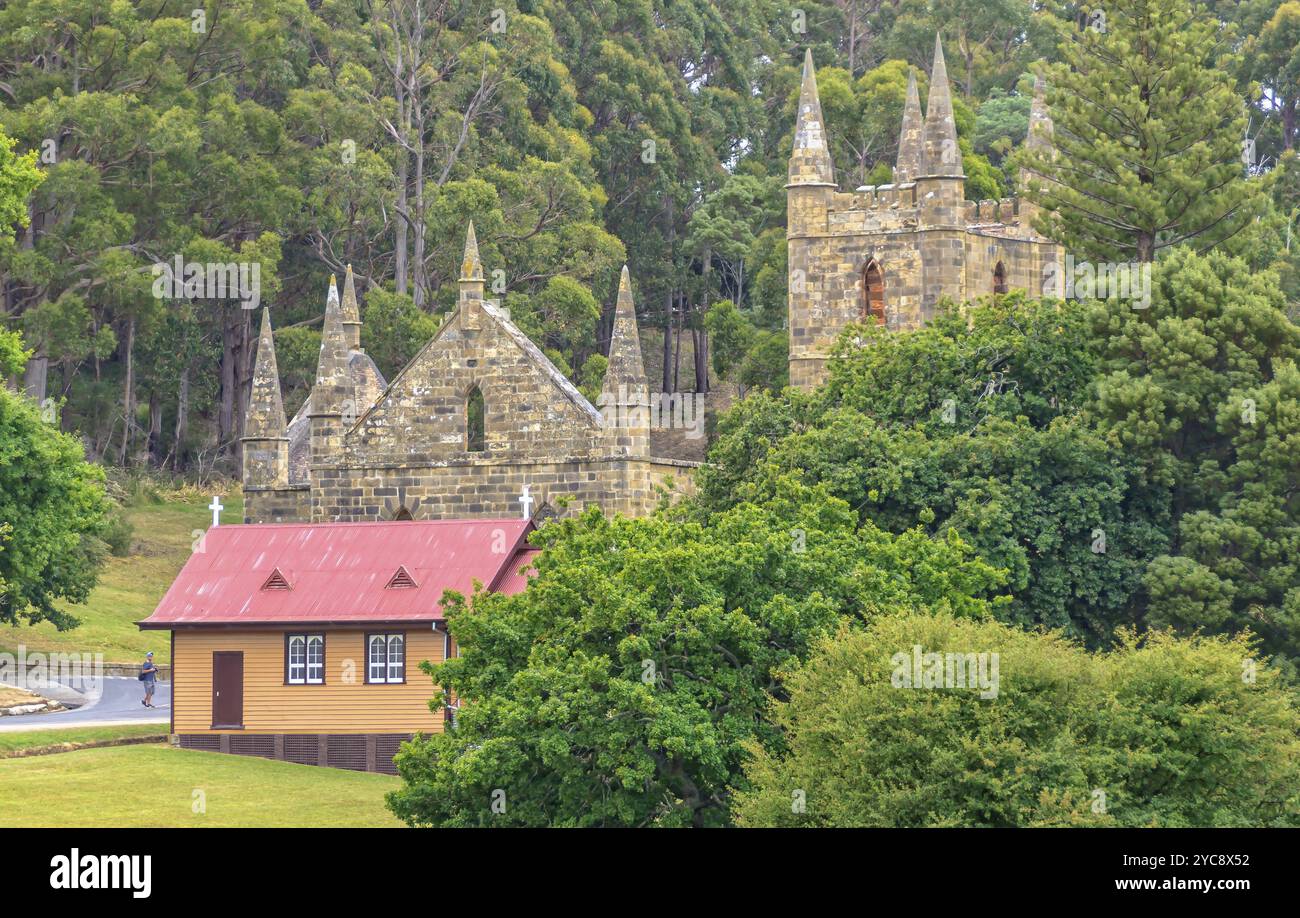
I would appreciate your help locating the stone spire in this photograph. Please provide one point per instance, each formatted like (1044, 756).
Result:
(333, 380)
(333, 399)
(471, 282)
(1040, 121)
(911, 136)
(941, 153)
(1038, 142)
(810, 162)
(625, 366)
(351, 312)
(471, 268)
(624, 400)
(265, 416)
(265, 447)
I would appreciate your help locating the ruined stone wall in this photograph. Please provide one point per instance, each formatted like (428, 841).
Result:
(828, 295)
(467, 489)
(410, 450)
(1023, 260)
(422, 419)
(277, 505)
(921, 262)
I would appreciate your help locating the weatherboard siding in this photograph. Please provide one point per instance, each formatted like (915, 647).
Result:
(337, 706)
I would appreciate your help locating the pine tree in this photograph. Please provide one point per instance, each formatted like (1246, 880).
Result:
(1149, 130)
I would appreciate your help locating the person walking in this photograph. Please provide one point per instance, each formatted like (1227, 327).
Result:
(149, 676)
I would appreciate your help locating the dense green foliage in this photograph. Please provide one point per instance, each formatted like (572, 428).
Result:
(971, 424)
(1161, 732)
(53, 510)
(1125, 466)
(1201, 389)
(620, 687)
(1149, 129)
(1100, 469)
(304, 137)
(52, 504)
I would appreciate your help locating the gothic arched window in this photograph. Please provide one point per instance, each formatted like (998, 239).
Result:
(1000, 278)
(474, 438)
(873, 293)
(402, 515)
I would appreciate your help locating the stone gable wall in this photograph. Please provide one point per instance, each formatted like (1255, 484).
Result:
(422, 416)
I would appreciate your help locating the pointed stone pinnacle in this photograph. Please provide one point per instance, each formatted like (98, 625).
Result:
(625, 365)
(1039, 135)
(333, 379)
(911, 135)
(265, 416)
(942, 154)
(471, 267)
(351, 311)
(810, 161)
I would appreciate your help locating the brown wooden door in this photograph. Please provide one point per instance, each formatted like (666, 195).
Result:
(227, 688)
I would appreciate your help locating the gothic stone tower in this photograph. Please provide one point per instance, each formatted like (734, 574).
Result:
(890, 253)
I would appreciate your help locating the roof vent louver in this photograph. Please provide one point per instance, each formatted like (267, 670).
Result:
(276, 581)
(402, 580)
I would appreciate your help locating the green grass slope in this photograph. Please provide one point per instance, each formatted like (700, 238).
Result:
(21, 740)
(157, 785)
(129, 588)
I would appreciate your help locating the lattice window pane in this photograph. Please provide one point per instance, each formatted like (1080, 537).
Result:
(396, 658)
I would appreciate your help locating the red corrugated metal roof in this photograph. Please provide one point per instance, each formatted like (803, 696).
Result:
(511, 580)
(337, 572)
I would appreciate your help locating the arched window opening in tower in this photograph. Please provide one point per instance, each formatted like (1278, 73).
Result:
(873, 293)
(1000, 278)
(474, 438)
(402, 515)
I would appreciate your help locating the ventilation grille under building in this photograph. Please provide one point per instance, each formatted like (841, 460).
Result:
(253, 744)
(302, 748)
(209, 742)
(347, 751)
(386, 746)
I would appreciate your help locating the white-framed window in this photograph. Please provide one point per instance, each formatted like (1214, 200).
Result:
(386, 658)
(396, 658)
(304, 659)
(315, 658)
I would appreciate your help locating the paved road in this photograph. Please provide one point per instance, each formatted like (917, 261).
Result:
(117, 703)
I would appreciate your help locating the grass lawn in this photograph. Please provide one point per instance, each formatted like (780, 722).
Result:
(33, 739)
(159, 785)
(10, 696)
(129, 588)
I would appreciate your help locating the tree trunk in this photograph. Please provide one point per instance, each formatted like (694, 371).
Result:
(677, 349)
(701, 338)
(182, 419)
(226, 413)
(399, 257)
(35, 376)
(403, 162)
(155, 429)
(417, 218)
(244, 356)
(1146, 247)
(668, 343)
(128, 393)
